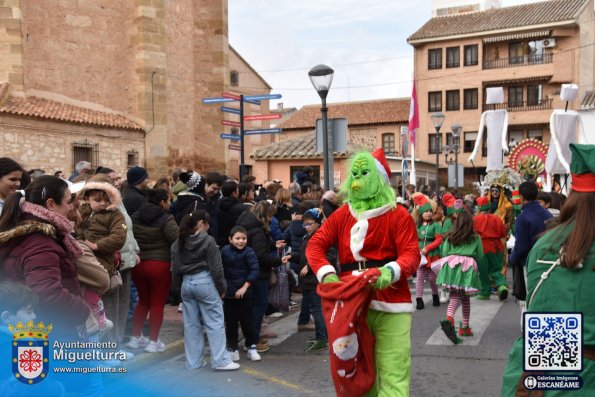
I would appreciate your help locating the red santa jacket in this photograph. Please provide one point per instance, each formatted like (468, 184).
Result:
(385, 233)
(491, 229)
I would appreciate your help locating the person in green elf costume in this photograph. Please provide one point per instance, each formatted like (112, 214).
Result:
(561, 276)
(448, 200)
(371, 231)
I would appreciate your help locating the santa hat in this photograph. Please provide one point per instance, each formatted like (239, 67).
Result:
(483, 203)
(582, 167)
(422, 203)
(451, 204)
(382, 164)
(516, 197)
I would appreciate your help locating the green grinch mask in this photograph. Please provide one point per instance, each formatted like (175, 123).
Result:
(365, 187)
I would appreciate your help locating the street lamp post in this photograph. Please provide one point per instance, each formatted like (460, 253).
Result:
(437, 120)
(456, 133)
(321, 77)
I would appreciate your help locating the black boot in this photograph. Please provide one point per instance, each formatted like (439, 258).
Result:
(420, 303)
(435, 300)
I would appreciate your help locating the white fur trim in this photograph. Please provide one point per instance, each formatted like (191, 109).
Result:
(357, 237)
(396, 268)
(382, 170)
(369, 214)
(401, 307)
(323, 271)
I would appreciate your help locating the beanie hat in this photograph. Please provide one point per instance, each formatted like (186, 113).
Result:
(315, 213)
(483, 203)
(582, 167)
(422, 203)
(194, 181)
(136, 175)
(382, 164)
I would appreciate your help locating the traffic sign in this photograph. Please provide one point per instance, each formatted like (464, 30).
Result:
(263, 131)
(262, 117)
(234, 147)
(251, 101)
(231, 123)
(261, 97)
(235, 97)
(233, 137)
(230, 110)
(216, 100)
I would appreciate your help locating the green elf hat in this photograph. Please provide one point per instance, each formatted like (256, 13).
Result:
(582, 167)
(449, 201)
(422, 203)
(483, 203)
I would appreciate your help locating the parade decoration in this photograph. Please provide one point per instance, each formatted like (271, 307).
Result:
(507, 178)
(535, 153)
(530, 167)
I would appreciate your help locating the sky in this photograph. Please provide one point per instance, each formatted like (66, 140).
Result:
(364, 41)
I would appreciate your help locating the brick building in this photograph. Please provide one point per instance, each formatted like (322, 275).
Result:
(371, 124)
(530, 50)
(146, 64)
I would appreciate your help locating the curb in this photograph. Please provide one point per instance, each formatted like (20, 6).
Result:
(144, 359)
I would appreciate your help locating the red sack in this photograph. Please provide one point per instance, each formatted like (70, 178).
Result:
(351, 344)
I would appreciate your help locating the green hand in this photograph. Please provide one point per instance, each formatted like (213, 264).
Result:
(385, 279)
(331, 278)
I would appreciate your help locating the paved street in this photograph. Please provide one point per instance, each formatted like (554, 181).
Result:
(438, 367)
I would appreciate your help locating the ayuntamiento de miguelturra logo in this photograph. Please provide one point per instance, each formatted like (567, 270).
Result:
(30, 351)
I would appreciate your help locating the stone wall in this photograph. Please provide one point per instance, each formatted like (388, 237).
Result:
(47, 145)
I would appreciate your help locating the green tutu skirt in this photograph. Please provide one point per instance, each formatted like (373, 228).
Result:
(458, 274)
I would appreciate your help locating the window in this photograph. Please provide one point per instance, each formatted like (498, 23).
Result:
(536, 51)
(132, 158)
(471, 100)
(432, 143)
(516, 52)
(469, 143)
(435, 58)
(234, 78)
(536, 133)
(435, 101)
(388, 143)
(294, 170)
(515, 96)
(514, 137)
(534, 95)
(471, 55)
(450, 140)
(453, 57)
(453, 100)
(85, 151)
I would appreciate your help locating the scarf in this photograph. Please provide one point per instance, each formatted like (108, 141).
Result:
(57, 220)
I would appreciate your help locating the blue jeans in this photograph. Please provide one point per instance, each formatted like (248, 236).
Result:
(260, 301)
(312, 304)
(200, 298)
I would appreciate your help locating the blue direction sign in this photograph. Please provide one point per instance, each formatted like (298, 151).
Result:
(230, 110)
(261, 97)
(263, 131)
(233, 137)
(217, 100)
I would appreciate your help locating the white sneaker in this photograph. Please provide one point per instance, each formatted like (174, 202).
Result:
(180, 308)
(253, 354)
(444, 296)
(235, 355)
(229, 367)
(135, 342)
(155, 347)
(275, 315)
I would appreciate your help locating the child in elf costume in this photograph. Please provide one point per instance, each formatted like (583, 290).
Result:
(458, 271)
(429, 234)
(492, 231)
(372, 232)
(448, 201)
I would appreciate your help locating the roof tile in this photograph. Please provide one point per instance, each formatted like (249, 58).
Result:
(520, 16)
(383, 111)
(302, 147)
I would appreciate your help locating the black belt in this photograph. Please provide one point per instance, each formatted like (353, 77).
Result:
(363, 265)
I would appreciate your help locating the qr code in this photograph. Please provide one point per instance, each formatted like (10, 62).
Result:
(553, 341)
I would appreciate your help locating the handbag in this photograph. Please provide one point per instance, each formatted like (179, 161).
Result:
(115, 281)
(273, 278)
(279, 293)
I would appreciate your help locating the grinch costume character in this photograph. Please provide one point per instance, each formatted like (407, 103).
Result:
(560, 279)
(492, 231)
(371, 231)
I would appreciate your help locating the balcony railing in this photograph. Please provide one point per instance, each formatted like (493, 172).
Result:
(525, 60)
(521, 106)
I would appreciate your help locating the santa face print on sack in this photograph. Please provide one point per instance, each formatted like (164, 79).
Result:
(346, 348)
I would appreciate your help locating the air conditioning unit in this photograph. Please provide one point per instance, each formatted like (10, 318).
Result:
(549, 43)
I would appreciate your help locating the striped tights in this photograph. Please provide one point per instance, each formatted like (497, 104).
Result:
(456, 299)
(425, 273)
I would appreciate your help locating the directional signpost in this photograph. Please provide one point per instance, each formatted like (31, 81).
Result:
(253, 99)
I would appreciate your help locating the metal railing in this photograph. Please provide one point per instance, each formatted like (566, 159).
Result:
(520, 106)
(524, 60)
